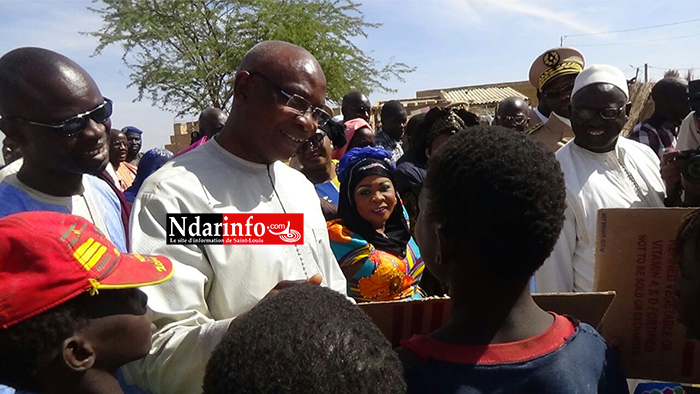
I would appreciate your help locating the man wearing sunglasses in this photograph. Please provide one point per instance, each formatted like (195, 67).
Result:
(54, 110)
(512, 113)
(553, 74)
(279, 94)
(601, 170)
(356, 105)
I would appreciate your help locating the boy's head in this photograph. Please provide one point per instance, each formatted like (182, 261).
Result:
(493, 200)
(306, 339)
(69, 301)
(687, 287)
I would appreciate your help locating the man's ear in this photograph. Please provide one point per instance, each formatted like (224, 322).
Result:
(10, 129)
(78, 354)
(242, 86)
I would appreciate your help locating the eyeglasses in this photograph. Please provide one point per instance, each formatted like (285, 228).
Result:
(605, 113)
(314, 141)
(516, 119)
(556, 93)
(77, 123)
(298, 103)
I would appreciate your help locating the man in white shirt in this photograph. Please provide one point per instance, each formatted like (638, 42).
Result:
(601, 171)
(279, 90)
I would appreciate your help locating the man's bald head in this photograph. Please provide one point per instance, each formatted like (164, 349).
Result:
(512, 112)
(356, 105)
(511, 103)
(669, 86)
(671, 98)
(280, 60)
(39, 87)
(279, 93)
(33, 78)
(211, 121)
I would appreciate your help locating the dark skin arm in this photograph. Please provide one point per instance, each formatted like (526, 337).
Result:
(330, 210)
(672, 175)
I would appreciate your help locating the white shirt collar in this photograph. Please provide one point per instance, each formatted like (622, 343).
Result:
(563, 119)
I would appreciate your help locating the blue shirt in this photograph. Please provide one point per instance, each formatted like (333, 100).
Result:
(97, 203)
(570, 357)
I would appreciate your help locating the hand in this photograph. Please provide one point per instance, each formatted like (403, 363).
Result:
(314, 280)
(671, 169)
(671, 175)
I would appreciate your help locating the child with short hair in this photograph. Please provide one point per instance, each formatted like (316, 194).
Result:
(491, 211)
(305, 339)
(70, 310)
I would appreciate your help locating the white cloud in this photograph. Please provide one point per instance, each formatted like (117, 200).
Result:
(539, 11)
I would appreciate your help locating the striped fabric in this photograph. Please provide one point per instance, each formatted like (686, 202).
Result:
(656, 133)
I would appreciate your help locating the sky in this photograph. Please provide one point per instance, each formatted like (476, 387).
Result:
(450, 43)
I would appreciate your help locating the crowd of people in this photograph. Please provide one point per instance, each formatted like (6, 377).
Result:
(96, 299)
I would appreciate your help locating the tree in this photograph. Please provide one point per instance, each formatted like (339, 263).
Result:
(183, 54)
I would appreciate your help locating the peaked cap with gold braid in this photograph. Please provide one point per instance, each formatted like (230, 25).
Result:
(553, 63)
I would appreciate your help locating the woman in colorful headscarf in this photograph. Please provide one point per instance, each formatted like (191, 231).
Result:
(371, 240)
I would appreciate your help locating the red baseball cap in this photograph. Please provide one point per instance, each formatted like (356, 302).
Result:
(48, 258)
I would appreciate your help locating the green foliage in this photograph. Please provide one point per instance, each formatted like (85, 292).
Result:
(183, 54)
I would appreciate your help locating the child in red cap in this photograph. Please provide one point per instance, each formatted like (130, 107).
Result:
(70, 310)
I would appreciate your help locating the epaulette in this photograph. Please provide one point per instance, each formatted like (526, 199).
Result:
(534, 128)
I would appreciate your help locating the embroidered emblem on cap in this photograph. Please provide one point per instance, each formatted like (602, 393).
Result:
(551, 58)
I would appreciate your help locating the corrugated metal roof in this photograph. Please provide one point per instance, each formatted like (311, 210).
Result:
(480, 96)
(416, 102)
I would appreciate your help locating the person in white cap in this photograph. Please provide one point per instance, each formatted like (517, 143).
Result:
(600, 171)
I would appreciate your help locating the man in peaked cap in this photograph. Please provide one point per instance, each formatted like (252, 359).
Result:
(134, 137)
(553, 74)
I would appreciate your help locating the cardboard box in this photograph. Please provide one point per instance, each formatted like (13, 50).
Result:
(635, 258)
(400, 319)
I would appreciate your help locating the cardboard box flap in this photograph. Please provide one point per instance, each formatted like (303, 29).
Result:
(635, 257)
(400, 319)
(586, 307)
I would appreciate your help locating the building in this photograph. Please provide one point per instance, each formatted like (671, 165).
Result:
(479, 99)
(181, 137)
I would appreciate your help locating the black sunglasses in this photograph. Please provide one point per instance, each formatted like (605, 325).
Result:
(298, 103)
(556, 93)
(315, 141)
(77, 123)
